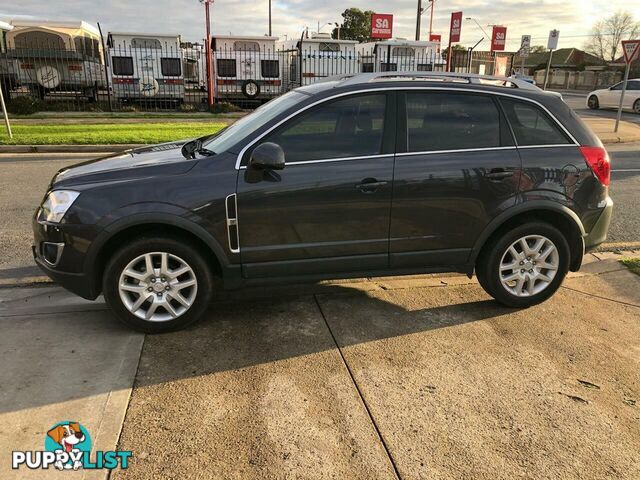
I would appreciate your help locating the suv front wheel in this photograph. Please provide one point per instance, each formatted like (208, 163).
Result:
(157, 285)
(525, 266)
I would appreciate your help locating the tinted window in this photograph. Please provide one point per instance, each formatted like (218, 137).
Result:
(243, 46)
(617, 86)
(170, 67)
(634, 85)
(270, 68)
(451, 121)
(350, 127)
(148, 43)
(329, 47)
(122, 65)
(226, 68)
(531, 125)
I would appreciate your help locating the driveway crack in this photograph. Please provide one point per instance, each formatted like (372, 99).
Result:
(360, 394)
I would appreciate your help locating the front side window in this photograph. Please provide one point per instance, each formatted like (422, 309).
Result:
(451, 121)
(617, 86)
(170, 67)
(226, 67)
(349, 127)
(122, 65)
(244, 46)
(531, 125)
(329, 47)
(146, 43)
(270, 68)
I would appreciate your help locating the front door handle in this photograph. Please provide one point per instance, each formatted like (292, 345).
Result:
(498, 174)
(370, 185)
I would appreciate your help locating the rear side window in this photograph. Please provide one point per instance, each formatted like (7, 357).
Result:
(226, 67)
(270, 68)
(122, 65)
(451, 121)
(170, 67)
(349, 127)
(531, 125)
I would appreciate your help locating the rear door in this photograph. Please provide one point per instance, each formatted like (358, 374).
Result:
(328, 209)
(456, 168)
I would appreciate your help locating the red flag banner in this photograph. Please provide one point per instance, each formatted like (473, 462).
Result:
(498, 38)
(456, 27)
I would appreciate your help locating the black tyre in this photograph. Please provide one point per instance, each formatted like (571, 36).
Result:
(156, 284)
(250, 89)
(593, 102)
(524, 266)
(636, 106)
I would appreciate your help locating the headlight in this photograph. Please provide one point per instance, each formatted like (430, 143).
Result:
(56, 205)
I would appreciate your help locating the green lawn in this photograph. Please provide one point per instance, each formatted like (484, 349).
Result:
(110, 133)
(632, 264)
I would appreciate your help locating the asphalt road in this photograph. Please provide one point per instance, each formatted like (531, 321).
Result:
(577, 101)
(25, 178)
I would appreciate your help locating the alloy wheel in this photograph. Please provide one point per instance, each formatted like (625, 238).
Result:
(158, 286)
(529, 265)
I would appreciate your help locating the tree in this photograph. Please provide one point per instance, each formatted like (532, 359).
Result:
(538, 49)
(356, 25)
(607, 34)
(455, 48)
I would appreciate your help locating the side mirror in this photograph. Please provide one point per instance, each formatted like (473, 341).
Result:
(267, 156)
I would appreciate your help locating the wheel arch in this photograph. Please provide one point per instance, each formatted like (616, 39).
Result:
(116, 235)
(560, 216)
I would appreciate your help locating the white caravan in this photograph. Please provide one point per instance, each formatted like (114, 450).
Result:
(146, 66)
(319, 57)
(400, 55)
(57, 56)
(246, 68)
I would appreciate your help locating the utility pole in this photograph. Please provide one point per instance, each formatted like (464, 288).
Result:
(418, 15)
(433, 6)
(209, 62)
(269, 17)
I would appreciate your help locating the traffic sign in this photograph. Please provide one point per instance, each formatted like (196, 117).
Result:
(552, 43)
(631, 49)
(525, 46)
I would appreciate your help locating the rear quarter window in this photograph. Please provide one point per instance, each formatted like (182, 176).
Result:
(531, 125)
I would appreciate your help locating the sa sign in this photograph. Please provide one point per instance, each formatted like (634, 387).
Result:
(455, 27)
(381, 25)
(498, 38)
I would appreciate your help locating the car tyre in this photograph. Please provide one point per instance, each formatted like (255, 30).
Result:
(512, 283)
(593, 102)
(178, 305)
(636, 107)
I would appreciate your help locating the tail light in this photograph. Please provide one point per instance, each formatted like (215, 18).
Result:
(598, 160)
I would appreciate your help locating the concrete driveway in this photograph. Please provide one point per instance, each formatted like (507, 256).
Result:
(417, 377)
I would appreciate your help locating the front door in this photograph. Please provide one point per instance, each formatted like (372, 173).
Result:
(328, 210)
(455, 168)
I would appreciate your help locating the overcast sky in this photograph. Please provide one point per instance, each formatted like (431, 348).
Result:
(250, 17)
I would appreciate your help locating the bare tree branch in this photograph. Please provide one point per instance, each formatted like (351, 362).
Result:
(607, 34)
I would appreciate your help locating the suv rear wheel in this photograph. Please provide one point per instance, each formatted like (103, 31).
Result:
(157, 284)
(525, 266)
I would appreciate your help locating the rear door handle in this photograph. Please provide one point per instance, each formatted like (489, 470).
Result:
(370, 185)
(498, 174)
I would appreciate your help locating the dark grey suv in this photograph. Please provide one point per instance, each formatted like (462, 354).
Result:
(371, 175)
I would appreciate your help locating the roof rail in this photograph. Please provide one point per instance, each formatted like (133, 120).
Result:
(472, 78)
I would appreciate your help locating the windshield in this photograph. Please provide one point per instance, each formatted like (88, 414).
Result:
(249, 124)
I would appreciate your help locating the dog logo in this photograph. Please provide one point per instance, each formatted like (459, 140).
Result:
(73, 439)
(67, 446)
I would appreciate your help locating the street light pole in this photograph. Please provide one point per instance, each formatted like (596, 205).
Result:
(418, 15)
(433, 6)
(269, 17)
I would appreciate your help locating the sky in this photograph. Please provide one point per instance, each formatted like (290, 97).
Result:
(573, 18)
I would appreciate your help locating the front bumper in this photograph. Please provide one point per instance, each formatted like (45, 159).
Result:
(598, 233)
(60, 253)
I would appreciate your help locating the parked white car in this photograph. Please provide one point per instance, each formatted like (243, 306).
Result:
(610, 97)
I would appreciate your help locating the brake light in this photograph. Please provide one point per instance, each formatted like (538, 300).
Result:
(598, 160)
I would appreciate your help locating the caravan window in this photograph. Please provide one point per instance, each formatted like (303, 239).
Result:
(37, 39)
(226, 67)
(403, 51)
(149, 43)
(122, 65)
(270, 68)
(170, 67)
(329, 47)
(243, 46)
